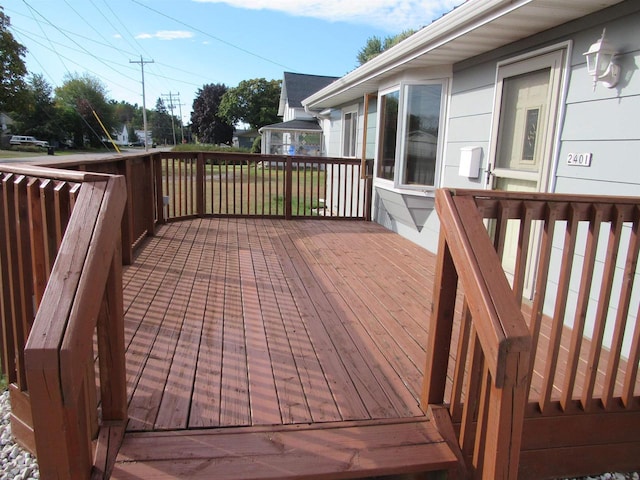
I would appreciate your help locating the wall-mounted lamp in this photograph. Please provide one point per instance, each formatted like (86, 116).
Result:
(599, 63)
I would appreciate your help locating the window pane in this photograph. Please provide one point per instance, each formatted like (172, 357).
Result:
(349, 135)
(387, 157)
(422, 119)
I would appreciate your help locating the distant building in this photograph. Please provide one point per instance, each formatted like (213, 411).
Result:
(299, 133)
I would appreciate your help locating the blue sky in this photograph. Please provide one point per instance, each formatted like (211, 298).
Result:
(196, 42)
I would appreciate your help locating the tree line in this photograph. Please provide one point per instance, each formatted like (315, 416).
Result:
(74, 113)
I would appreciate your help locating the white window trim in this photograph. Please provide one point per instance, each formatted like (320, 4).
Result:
(353, 109)
(396, 183)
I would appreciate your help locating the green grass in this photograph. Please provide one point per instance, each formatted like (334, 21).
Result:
(252, 190)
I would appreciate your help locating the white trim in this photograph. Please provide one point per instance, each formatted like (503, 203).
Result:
(399, 165)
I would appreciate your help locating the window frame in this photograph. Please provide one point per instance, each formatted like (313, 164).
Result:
(354, 112)
(401, 131)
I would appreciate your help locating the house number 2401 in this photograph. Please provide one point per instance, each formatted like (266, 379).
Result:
(579, 159)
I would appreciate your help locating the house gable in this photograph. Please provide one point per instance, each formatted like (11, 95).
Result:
(295, 88)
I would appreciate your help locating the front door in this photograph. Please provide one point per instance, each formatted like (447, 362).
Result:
(527, 102)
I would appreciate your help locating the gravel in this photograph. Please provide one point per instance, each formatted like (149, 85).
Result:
(17, 464)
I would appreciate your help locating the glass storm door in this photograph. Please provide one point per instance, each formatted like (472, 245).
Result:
(527, 103)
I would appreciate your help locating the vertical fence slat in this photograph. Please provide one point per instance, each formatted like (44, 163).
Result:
(37, 238)
(288, 188)
(49, 223)
(582, 305)
(602, 309)
(15, 287)
(568, 251)
(631, 375)
(457, 387)
(624, 301)
(9, 367)
(200, 185)
(522, 251)
(546, 247)
(63, 209)
(475, 368)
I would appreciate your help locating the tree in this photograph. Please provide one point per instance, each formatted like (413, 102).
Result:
(77, 99)
(38, 115)
(12, 67)
(253, 101)
(206, 123)
(375, 45)
(161, 128)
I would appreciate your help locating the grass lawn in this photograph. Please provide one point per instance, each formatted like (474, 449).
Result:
(243, 189)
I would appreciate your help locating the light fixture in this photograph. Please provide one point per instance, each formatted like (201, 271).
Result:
(599, 63)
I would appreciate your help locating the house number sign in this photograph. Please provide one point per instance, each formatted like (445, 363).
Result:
(579, 159)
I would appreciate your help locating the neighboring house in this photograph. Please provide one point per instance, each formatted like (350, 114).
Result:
(6, 122)
(141, 134)
(122, 137)
(244, 138)
(495, 94)
(299, 132)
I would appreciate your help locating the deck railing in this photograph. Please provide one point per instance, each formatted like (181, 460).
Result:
(61, 287)
(575, 257)
(491, 340)
(233, 184)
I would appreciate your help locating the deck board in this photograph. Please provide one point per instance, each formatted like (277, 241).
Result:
(236, 322)
(336, 451)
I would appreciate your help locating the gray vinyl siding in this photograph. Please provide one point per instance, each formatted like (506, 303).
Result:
(605, 123)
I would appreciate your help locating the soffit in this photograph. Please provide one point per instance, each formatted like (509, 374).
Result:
(474, 28)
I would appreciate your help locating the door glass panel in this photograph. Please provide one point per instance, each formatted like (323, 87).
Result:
(522, 115)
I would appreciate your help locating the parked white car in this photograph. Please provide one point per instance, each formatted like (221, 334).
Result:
(26, 140)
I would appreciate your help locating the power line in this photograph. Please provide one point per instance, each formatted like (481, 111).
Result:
(244, 50)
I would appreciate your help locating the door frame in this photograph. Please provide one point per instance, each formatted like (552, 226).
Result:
(558, 58)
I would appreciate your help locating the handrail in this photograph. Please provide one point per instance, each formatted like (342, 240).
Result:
(493, 325)
(83, 291)
(572, 263)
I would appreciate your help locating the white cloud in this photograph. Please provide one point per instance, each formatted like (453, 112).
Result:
(392, 15)
(166, 35)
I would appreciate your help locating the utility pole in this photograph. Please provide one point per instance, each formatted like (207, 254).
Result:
(171, 107)
(144, 104)
(181, 120)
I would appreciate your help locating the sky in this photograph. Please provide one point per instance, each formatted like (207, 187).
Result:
(186, 44)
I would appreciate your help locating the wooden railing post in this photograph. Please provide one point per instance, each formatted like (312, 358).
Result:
(505, 419)
(288, 188)
(157, 190)
(200, 184)
(149, 206)
(127, 218)
(440, 327)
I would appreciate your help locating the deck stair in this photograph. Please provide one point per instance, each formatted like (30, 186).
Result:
(334, 450)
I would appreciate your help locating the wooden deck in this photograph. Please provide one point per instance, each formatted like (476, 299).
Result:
(309, 335)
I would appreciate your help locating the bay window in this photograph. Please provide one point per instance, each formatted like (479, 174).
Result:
(410, 134)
